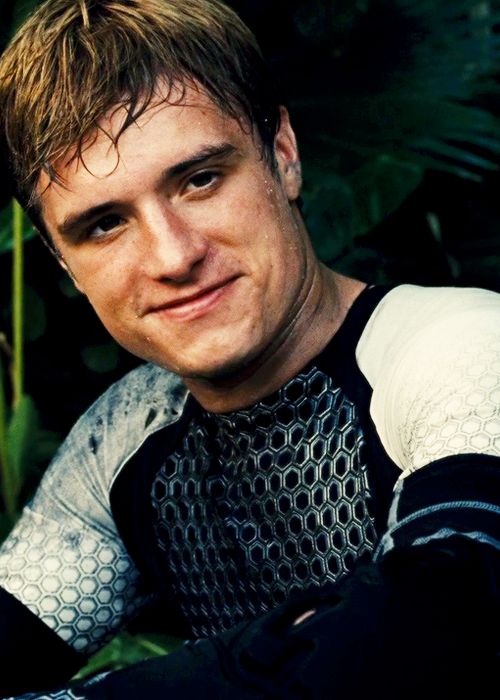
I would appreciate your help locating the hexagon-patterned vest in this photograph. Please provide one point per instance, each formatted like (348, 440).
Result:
(246, 508)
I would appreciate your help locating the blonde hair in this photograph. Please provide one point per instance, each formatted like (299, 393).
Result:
(74, 60)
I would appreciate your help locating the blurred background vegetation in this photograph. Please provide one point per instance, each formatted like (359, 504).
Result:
(397, 106)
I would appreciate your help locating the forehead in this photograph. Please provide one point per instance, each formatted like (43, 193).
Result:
(176, 122)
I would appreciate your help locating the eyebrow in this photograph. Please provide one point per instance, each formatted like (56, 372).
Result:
(73, 222)
(223, 150)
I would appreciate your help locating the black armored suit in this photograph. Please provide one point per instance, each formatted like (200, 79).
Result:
(254, 505)
(225, 516)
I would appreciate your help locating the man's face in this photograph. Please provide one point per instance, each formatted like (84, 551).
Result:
(186, 245)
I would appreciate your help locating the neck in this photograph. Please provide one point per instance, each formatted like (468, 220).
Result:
(324, 309)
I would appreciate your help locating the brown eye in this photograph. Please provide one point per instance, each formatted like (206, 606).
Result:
(202, 179)
(105, 225)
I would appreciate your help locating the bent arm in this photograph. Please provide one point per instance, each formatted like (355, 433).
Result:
(65, 590)
(67, 582)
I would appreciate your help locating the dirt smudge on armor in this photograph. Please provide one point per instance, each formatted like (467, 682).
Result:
(94, 443)
(150, 417)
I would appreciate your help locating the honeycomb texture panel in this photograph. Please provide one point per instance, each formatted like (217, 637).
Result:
(63, 694)
(82, 587)
(458, 411)
(259, 503)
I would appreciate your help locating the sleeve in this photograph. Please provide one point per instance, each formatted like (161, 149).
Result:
(64, 590)
(81, 584)
(432, 357)
(67, 582)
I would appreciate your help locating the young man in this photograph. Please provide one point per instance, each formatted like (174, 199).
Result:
(254, 456)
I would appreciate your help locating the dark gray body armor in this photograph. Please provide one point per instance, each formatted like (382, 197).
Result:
(246, 508)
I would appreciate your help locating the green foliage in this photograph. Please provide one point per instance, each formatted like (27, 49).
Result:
(126, 649)
(380, 186)
(23, 442)
(338, 209)
(6, 241)
(381, 92)
(101, 358)
(22, 426)
(27, 443)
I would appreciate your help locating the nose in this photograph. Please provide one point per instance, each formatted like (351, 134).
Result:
(171, 248)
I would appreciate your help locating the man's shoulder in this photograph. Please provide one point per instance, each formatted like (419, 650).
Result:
(409, 308)
(432, 359)
(112, 429)
(147, 388)
(143, 401)
(440, 300)
(434, 319)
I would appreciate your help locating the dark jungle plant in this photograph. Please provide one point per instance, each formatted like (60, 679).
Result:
(22, 442)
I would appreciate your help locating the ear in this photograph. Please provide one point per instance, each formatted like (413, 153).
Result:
(287, 157)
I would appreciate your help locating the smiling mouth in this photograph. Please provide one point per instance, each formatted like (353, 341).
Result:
(196, 305)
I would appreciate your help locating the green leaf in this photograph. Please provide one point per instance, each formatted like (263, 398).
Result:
(379, 188)
(328, 211)
(6, 230)
(339, 209)
(127, 649)
(67, 287)
(35, 317)
(21, 439)
(101, 358)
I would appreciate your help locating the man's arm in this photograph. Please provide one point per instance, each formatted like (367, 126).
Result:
(64, 590)
(421, 622)
(67, 582)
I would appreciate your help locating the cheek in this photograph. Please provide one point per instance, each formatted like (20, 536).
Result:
(250, 207)
(103, 274)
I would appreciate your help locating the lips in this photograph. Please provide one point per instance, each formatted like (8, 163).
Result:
(194, 305)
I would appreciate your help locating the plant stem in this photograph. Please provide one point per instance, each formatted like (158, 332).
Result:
(17, 306)
(8, 491)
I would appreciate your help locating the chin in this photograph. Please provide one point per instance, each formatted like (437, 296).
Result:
(231, 369)
(207, 360)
